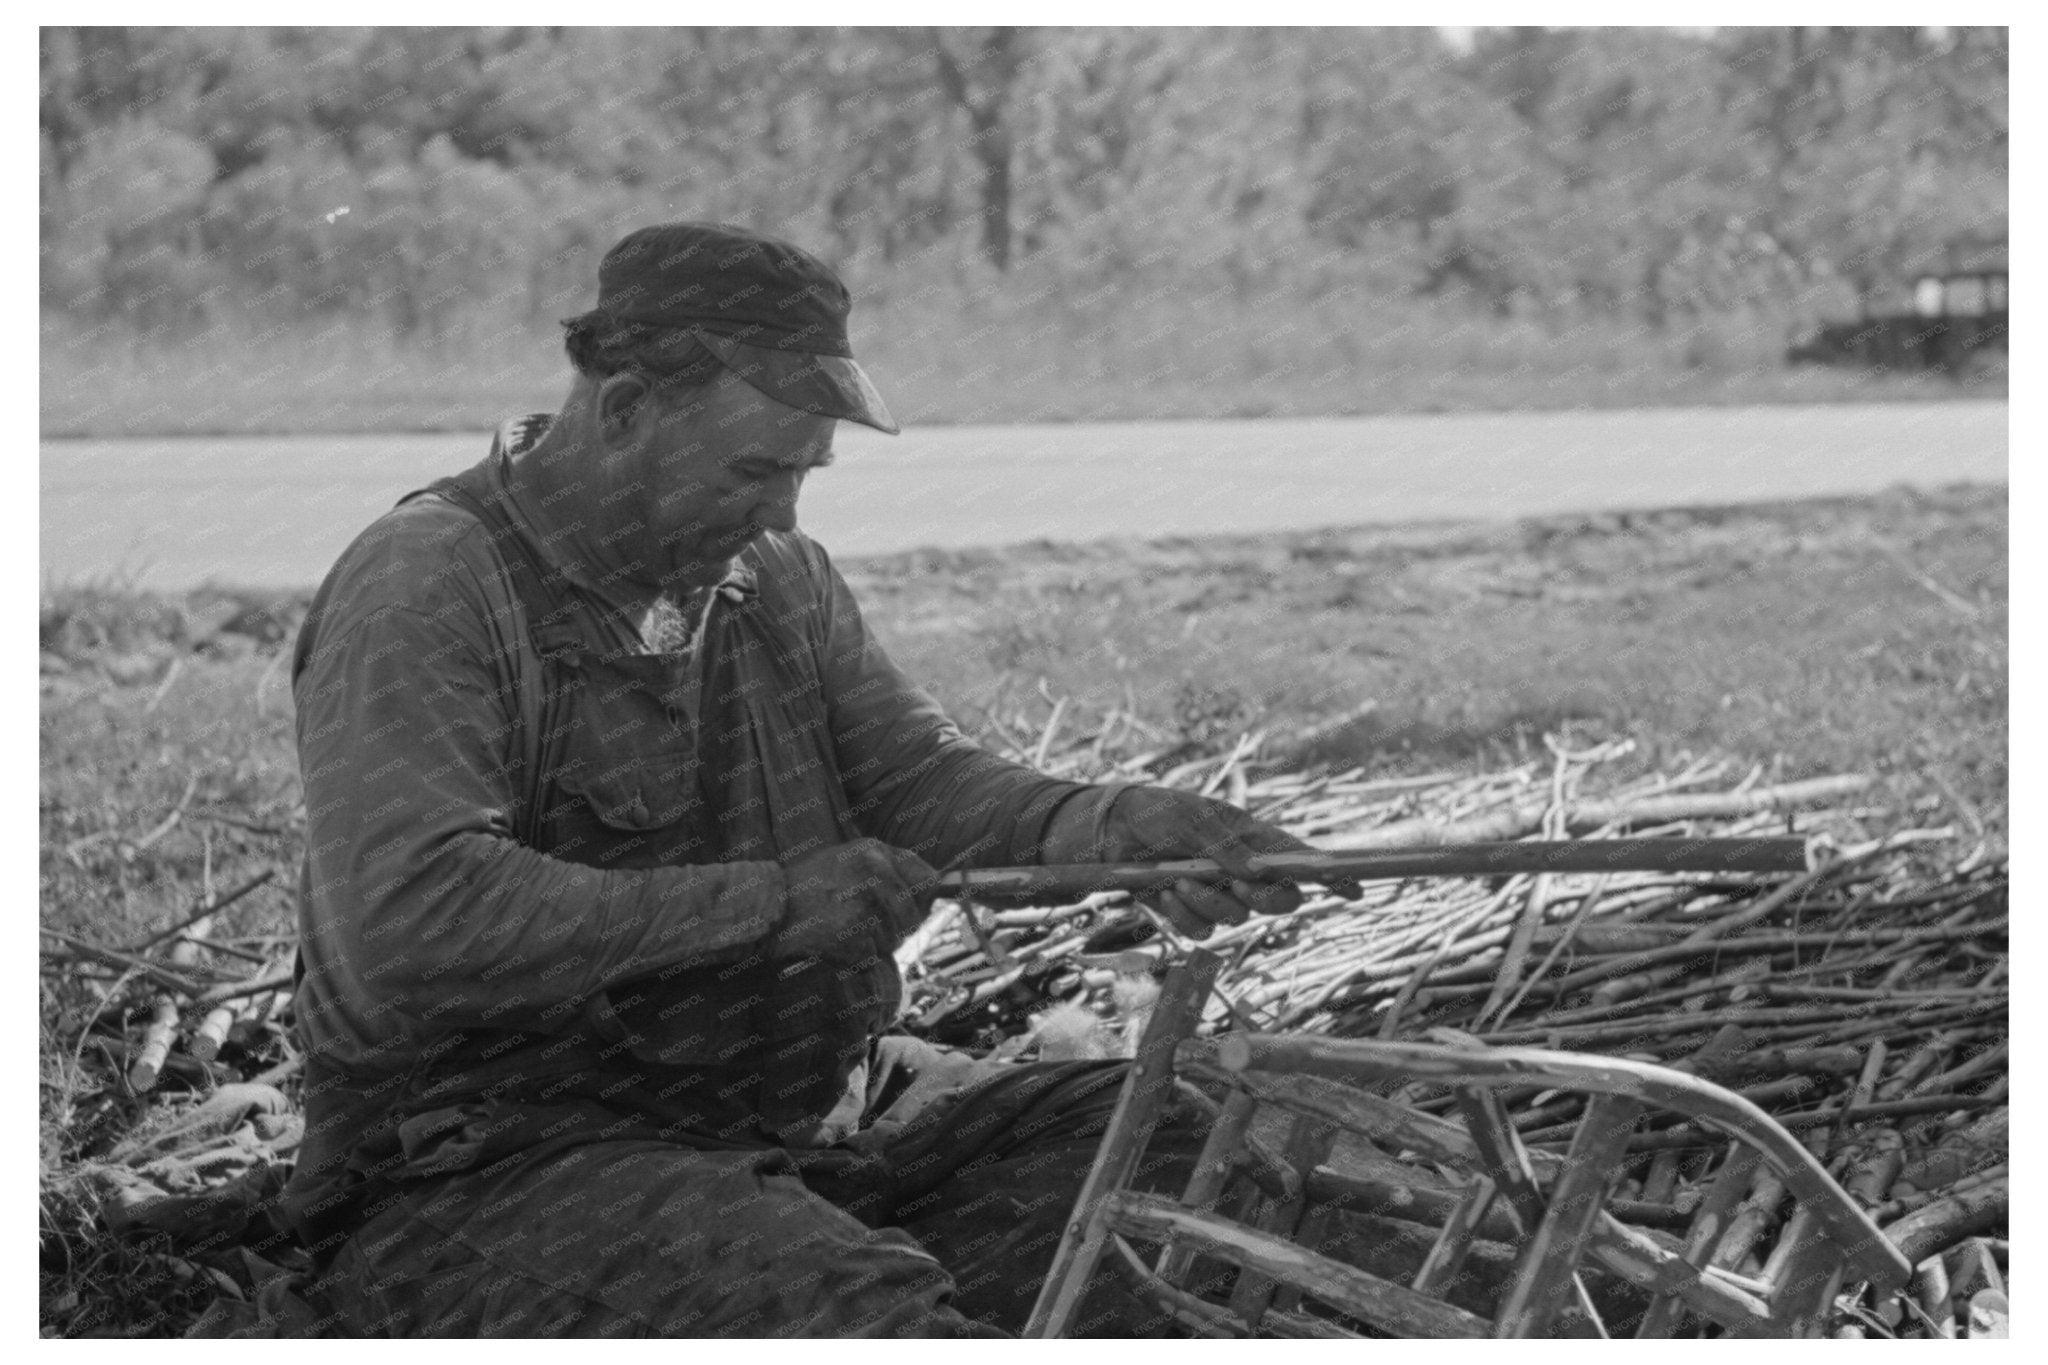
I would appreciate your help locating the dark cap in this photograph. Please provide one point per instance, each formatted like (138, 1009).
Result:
(772, 313)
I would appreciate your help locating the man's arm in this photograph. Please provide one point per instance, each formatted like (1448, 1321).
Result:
(421, 895)
(917, 782)
(914, 780)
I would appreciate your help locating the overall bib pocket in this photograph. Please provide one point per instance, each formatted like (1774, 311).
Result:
(634, 811)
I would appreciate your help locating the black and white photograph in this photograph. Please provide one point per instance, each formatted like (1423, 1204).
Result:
(1243, 681)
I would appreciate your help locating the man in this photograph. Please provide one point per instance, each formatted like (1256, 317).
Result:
(616, 815)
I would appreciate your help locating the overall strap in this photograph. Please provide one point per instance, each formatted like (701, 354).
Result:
(547, 611)
(548, 621)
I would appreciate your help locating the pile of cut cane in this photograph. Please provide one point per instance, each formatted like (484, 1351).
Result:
(1861, 1003)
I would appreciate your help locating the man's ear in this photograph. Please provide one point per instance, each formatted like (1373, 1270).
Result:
(621, 399)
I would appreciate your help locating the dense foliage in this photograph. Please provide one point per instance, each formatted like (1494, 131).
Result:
(436, 179)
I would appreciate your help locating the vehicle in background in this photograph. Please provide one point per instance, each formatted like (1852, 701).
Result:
(1953, 309)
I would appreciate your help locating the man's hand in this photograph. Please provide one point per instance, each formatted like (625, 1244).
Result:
(1150, 824)
(851, 901)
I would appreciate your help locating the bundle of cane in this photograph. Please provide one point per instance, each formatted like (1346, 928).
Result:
(1859, 999)
(170, 1004)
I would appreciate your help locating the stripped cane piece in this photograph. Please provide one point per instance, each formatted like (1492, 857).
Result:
(1365, 1296)
(1504, 1158)
(1544, 1277)
(1447, 1257)
(1147, 1087)
(1308, 1143)
(1804, 1275)
(1212, 1170)
(1703, 1239)
(1060, 883)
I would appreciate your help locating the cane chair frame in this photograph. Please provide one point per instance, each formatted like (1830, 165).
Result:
(1556, 1211)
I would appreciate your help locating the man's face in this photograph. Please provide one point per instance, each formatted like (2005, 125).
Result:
(697, 476)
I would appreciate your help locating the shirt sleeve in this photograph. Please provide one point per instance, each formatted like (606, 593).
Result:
(419, 895)
(912, 778)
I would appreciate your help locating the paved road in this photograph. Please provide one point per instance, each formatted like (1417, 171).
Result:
(274, 511)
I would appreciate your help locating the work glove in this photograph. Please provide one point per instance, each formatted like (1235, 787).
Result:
(1156, 824)
(853, 902)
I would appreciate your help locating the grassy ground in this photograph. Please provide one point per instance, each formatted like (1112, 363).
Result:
(1853, 634)
(982, 362)
(1811, 637)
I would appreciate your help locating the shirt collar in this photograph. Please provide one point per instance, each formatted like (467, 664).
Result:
(517, 435)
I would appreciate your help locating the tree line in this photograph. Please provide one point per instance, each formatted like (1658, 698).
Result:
(427, 180)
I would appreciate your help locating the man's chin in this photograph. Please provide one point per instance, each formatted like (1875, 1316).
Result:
(698, 573)
(709, 562)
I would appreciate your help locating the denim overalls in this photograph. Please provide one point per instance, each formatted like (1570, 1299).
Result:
(723, 754)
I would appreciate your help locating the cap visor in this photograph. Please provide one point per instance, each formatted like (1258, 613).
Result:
(829, 385)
